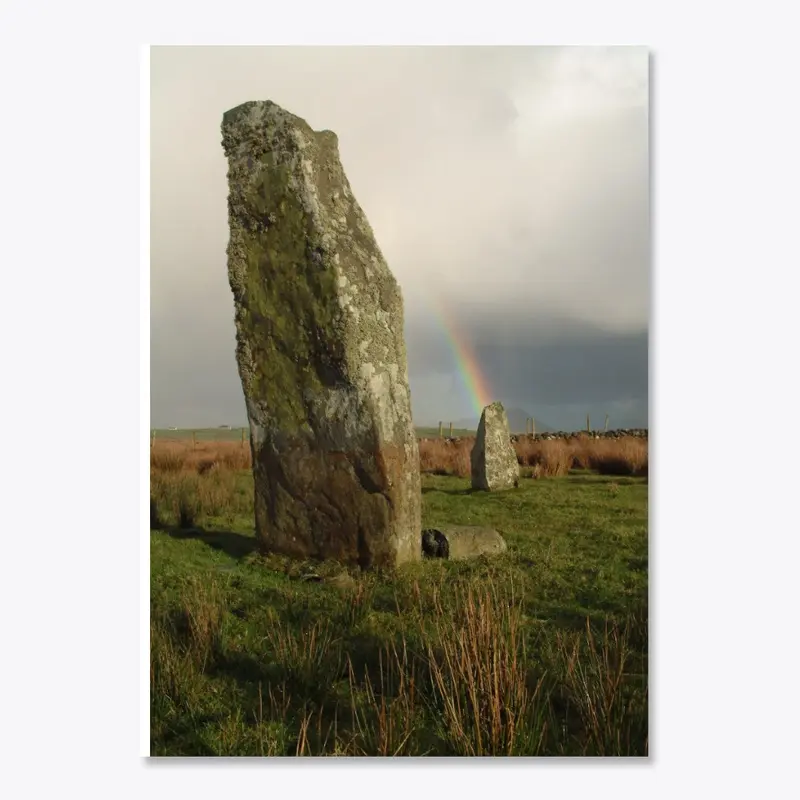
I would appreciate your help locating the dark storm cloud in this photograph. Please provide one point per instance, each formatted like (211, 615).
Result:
(537, 362)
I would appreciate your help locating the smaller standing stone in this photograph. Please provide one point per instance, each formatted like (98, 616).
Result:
(494, 459)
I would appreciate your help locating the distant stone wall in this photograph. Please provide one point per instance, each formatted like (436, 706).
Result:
(639, 433)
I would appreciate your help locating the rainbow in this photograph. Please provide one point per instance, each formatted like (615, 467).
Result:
(468, 367)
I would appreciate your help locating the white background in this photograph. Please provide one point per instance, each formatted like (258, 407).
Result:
(74, 319)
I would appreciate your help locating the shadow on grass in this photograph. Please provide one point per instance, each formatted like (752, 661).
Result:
(596, 479)
(236, 545)
(431, 489)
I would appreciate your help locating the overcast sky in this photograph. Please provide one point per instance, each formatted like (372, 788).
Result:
(509, 185)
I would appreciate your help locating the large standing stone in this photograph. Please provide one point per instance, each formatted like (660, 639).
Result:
(319, 321)
(494, 459)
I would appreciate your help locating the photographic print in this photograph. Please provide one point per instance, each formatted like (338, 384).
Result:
(399, 401)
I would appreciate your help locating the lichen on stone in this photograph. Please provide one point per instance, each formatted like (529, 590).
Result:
(494, 464)
(320, 348)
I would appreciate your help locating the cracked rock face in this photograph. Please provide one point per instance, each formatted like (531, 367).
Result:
(320, 350)
(494, 460)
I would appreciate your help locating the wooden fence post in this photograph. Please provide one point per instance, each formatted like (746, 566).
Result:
(533, 427)
(605, 429)
(194, 440)
(451, 430)
(588, 426)
(153, 439)
(440, 430)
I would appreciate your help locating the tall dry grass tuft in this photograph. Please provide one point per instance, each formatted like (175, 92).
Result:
(185, 641)
(549, 459)
(172, 455)
(432, 457)
(189, 483)
(386, 718)
(596, 682)
(308, 659)
(175, 679)
(479, 678)
(203, 609)
(442, 457)
(462, 458)
(166, 459)
(358, 602)
(552, 458)
(625, 456)
(581, 447)
(185, 497)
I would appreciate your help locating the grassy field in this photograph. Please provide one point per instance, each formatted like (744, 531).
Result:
(431, 432)
(201, 434)
(541, 651)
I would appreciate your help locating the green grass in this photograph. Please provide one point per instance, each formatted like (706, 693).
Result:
(541, 651)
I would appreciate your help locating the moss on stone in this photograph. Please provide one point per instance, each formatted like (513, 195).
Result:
(287, 297)
(320, 349)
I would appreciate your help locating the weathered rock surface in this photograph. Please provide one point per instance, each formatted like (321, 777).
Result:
(320, 350)
(494, 462)
(461, 541)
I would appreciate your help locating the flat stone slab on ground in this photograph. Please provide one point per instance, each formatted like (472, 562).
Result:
(457, 542)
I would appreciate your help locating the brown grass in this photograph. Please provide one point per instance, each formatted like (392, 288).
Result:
(627, 455)
(550, 458)
(386, 717)
(479, 674)
(443, 457)
(188, 482)
(179, 456)
(624, 456)
(597, 681)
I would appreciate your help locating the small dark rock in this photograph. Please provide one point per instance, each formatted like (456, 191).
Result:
(435, 544)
